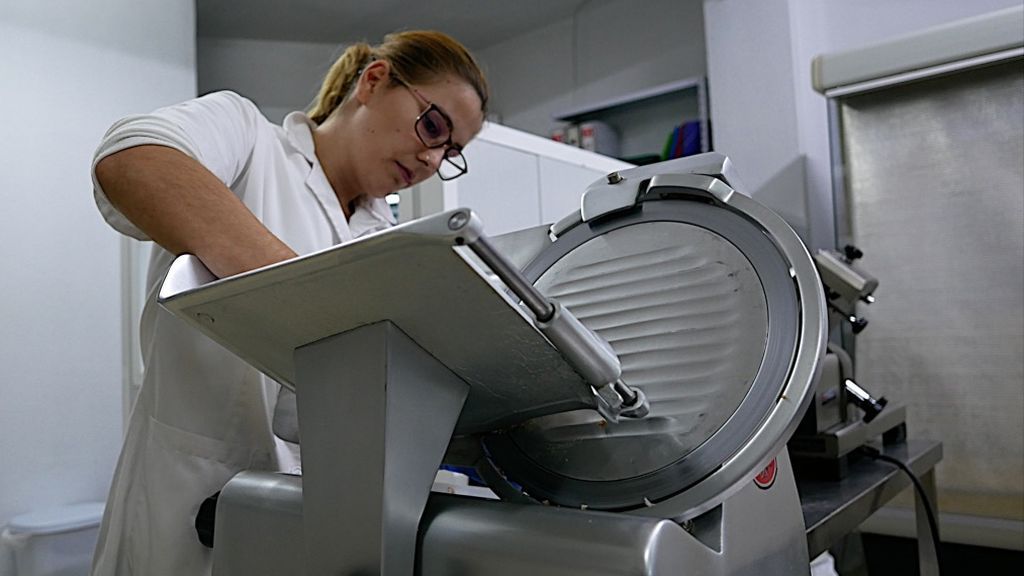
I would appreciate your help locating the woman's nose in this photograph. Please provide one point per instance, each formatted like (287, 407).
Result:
(431, 157)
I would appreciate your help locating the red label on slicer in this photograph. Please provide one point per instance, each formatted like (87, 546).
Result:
(766, 478)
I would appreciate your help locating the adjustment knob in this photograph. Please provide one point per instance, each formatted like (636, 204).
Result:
(852, 252)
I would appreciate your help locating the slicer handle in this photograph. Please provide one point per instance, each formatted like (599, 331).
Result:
(588, 353)
(860, 397)
(592, 357)
(538, 304)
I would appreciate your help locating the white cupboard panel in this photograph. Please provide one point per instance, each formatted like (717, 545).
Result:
(563, 185)
(501, 187)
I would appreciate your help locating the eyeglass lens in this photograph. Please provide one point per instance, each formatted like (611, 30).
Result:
(453, 165)
(433, 128)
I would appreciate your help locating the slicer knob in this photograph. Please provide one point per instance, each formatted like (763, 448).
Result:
(857, 324)
(862, 399)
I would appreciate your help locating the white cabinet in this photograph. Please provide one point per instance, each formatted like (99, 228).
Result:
(516, 180)
(564, 185)
(502, 186)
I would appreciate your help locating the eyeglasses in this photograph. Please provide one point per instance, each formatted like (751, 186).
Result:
(434, 129)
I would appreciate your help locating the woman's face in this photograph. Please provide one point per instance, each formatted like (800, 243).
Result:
(378, 149)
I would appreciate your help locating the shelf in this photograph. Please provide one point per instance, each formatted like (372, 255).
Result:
(696, 83)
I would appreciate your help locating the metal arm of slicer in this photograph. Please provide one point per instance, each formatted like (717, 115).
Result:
(589, 354)
(862, 399)
(845, 284)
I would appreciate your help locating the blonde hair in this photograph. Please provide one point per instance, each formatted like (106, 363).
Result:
(417, 56)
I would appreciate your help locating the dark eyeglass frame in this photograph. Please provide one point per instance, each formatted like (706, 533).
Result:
(452, 152)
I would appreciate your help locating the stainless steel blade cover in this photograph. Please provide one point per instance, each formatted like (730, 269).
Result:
(715, 309)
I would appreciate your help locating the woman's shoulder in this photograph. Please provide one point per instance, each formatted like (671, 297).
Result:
(228, 102)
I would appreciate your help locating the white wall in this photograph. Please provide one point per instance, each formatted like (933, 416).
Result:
(69, 70)
(609, 48)
(750, 81)
(278, 76)
(763, 110)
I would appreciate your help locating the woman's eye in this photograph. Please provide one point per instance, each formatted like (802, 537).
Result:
(433, 127)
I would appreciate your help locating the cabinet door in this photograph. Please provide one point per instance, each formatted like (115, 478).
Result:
(501, 187)
(561, 186)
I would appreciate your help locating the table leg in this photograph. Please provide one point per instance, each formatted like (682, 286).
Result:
(926, 553)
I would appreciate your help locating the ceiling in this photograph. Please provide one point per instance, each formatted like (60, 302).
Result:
(476, 23)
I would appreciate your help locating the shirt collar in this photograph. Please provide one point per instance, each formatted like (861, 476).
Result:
(299, 130)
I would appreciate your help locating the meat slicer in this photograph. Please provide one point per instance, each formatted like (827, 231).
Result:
(625, 380)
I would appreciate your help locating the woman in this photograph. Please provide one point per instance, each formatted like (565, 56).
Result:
(212, 177)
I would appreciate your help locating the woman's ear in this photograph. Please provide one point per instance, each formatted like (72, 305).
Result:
(375, 78)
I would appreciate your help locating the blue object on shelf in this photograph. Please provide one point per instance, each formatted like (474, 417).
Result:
(691, 138)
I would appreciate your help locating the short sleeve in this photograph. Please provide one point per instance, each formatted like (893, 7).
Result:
(219, 130)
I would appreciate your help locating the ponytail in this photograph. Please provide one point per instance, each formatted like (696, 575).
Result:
(339, 80)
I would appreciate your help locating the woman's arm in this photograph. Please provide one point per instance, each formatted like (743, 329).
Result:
(184, 208)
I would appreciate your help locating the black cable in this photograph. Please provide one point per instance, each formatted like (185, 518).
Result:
(933, 524)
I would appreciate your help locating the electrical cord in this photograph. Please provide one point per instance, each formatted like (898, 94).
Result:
(933, 524)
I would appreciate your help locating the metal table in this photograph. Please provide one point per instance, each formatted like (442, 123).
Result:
(833, 509)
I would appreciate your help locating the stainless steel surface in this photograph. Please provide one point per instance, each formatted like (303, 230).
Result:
(934, 182)
(286, 416)
(466, 538)
(569, 221)
(259, 527)
(634, 401)
(855, 389)
(831, 409)
(843, 277)
(608, 198)
(927, 559)
(571, 459)
(825, 410)
(832, 509)
(709, 164)
(376, 413)
(841, 440)
(411, 275)
(689, 184)
(457, 220)
(367, 473)
(260, 533)
(537, 303)
(687, 314)
(603, 198)
(522, 246)
(587, 352)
